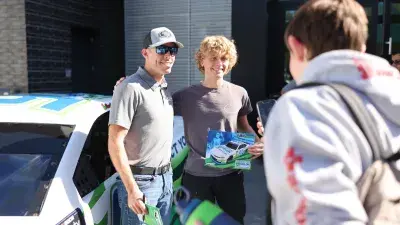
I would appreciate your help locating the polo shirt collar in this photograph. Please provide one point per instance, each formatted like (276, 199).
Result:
(149, 80)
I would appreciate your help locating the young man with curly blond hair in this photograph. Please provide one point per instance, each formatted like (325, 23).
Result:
(316, 155)
(219, 105)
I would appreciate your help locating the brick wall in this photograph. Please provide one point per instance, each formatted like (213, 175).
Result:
(13, 65)
(48, 31)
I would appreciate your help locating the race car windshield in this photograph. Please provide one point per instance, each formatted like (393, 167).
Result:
(29, 157)
(231, 145)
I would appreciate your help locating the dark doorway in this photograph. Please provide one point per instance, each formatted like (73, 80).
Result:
(83, 59)
(280, 14)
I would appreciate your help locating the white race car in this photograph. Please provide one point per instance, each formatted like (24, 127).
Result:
(54, 162)
(229, 151)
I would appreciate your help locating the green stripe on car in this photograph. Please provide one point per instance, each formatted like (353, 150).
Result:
(178, 163)
(103, 221)
(97, 193)
(180, 157)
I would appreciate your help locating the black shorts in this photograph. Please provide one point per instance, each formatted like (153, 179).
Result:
(227, 191)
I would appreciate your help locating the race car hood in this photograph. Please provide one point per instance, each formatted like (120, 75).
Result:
(52, 108)
(221, 152)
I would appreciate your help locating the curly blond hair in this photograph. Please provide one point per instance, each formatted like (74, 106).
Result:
(217, 46)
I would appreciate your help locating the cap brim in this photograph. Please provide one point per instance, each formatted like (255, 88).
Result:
(180, 45)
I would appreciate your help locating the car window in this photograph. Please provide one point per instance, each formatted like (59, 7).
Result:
(29, 158)
(94, 165)
(21, 138)
(232, 145)
(242, 146)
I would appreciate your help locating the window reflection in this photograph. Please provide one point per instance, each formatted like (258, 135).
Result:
(395, 27)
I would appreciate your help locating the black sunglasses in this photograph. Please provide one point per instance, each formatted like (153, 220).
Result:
(396, 62)
(162, 50)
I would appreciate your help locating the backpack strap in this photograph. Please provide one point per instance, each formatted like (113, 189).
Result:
(394, 157)
(360, 114)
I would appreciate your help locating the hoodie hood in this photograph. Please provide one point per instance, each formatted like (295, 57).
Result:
(369, 74)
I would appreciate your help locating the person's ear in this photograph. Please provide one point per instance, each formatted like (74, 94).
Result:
(145, 53)
(363, 48)
(297, 49)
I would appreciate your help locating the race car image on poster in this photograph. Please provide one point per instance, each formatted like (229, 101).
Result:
(228, 152)
(228, 149)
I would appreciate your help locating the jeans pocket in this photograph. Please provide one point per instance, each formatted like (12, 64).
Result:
(143, 180)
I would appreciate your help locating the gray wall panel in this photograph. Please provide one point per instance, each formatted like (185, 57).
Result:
(203, 24)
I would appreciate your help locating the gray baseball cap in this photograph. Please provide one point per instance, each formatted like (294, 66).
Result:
(159, 36)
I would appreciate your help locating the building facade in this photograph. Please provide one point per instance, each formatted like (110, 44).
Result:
(61, 46)
(86, 45)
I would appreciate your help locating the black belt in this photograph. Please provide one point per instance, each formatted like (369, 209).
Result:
(150, 170)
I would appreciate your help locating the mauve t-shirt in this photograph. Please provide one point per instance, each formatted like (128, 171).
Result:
(204, 108)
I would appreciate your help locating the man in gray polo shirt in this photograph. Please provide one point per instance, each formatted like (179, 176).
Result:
(141, 128)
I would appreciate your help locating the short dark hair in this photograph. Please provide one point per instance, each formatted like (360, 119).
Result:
(147, 40)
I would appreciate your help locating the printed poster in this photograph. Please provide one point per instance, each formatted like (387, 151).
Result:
(229, 149)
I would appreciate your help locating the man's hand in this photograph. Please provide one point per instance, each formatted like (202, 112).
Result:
(136, 204)
(116, 148)
(260, 127)
(256, 150)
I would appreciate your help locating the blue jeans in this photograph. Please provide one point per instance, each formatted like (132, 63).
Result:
(158, 192)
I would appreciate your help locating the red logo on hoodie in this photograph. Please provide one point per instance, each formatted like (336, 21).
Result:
(367, 72)
(290, 160)
(363, 68)
(301, 212)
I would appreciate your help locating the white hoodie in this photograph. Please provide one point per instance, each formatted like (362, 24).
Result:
(314, 151)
